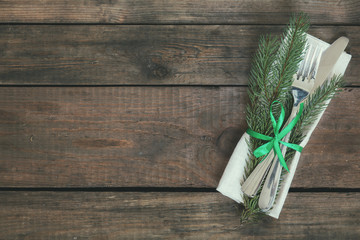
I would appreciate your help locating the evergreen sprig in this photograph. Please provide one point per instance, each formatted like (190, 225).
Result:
(317, 102)
(251, 212)
(314, 106)
(271, 77)
(289, 56)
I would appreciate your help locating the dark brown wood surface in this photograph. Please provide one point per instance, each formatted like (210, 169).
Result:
(153, 136)
(117, 119)
(143, 55)
(180, 12)
(162, 215)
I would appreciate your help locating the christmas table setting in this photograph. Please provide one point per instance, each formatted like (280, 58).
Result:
(312, 70)
(211, 119)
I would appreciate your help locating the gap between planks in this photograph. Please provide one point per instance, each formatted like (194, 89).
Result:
(163, 189)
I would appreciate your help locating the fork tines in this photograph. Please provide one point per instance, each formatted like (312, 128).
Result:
(309, 64)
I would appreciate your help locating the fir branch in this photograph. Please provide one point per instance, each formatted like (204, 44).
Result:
(314, 106)
(251, 211)
(272, 71)
(262, 66)
(317, 101)
(270, 79)
(258, 81)
(289, 56)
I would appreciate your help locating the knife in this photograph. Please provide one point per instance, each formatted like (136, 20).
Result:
(328, 60)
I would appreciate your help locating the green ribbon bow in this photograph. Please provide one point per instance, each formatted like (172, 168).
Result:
(274, 141)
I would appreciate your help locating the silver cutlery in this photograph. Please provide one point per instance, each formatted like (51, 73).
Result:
(300, 91)
(252, 184)
(302, 85)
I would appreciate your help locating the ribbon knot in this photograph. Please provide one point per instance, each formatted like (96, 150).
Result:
(274, 142)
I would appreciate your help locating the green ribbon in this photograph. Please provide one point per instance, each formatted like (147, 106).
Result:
(274, 141)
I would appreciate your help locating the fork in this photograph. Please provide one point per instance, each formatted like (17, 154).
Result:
(252, 184)
(302, 85)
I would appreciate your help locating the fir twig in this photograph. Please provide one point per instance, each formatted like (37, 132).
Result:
(258, 81)
(289, 56)
(251, 211)
(314, 106)
(270, 79)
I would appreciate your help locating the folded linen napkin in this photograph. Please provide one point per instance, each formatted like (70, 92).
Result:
(230, 182)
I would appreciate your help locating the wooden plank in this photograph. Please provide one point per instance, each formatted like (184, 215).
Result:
(162, 215)
(177, 12)
(152, 136)
(145, 55)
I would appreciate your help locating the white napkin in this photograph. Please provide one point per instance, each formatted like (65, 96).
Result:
(230, 182)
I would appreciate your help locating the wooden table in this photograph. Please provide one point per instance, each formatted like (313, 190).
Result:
(117, 119)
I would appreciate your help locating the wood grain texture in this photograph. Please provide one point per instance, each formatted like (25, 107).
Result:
(153, 137)
(177, 12)
(131, 215)
(143, 55)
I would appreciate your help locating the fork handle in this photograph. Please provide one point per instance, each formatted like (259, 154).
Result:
(269, 190)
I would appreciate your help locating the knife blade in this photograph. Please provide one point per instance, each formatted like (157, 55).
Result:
(328, 60)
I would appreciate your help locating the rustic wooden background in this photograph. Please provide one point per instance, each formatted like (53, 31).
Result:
(117, 119)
